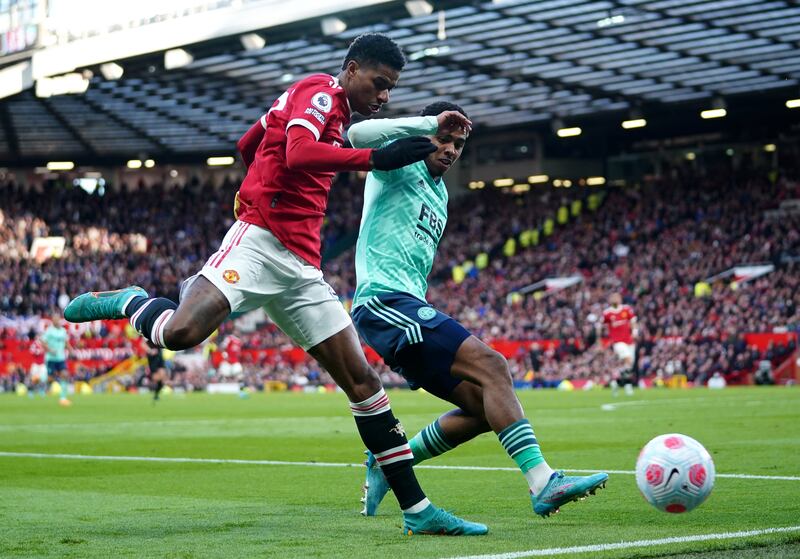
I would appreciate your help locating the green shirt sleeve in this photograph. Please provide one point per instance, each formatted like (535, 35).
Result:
(377, 132)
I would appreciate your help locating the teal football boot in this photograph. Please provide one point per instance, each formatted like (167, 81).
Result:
(101, 305)
(375, 486)
(562, 489)
(436, 521)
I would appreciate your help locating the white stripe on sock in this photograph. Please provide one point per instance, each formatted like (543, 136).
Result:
(158, 332)
(138, 313)
(376, 404)
(419, 507)
(371, 400)
(538, 476)
(396, 454)
(128, 302)
(437, 440)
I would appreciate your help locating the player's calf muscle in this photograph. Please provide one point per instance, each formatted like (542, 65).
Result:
(201, 311)
(184, 332)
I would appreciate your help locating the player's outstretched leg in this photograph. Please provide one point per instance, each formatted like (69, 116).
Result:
(478, 363)
(202, 309)
(384, 436)
(448, 431)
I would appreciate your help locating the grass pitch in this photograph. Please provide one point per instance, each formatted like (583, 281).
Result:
(98, 507)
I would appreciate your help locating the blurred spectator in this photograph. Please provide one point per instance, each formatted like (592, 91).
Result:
(651, 243)
(764, 372)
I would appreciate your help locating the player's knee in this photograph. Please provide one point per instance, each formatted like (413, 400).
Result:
(493, 367)
(364, 385)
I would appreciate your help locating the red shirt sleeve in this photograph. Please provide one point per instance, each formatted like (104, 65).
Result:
(314, 105)
(248, 144)
(304, 153)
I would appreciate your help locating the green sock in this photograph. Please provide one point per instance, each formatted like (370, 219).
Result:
(64, 391)
(521, 444)
(429, 442)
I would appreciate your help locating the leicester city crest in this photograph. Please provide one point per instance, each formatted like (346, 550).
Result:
(426, 313)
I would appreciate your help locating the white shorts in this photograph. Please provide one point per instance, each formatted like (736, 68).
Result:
(626, 352)
(39, 372)
(253, 269)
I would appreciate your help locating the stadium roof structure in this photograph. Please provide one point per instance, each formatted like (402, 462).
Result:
(507, 62)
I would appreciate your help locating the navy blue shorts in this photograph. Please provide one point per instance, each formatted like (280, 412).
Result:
(54, 367)
(413, 338)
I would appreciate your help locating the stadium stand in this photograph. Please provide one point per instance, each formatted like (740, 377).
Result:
(701, 225)
(669, 241)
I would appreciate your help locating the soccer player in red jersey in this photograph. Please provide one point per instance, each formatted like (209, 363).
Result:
(270, 257)
(621, 323)
(232, 345)
(620, 320)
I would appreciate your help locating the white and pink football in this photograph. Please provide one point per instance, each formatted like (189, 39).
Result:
(675, 473)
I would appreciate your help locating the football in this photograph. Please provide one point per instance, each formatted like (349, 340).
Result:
(675, 473)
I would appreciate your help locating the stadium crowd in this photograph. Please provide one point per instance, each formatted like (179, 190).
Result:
(652, 243)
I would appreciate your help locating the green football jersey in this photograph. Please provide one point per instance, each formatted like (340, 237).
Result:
(404, 215)
(56, 340)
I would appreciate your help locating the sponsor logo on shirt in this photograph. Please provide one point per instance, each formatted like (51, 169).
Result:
(316, 114)
(429, 227)
(322, 101)
(436, 224)
(231, 276)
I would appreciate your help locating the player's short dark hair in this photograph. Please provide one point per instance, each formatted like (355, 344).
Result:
(374, 49)
(441, 106)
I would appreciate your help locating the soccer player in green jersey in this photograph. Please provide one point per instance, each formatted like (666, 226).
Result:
(55, 341)
(404, 216)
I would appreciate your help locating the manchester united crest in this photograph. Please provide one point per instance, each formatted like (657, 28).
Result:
(231, 276)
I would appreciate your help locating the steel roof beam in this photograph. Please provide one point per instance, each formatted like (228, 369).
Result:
(10, 131)
(45, 102)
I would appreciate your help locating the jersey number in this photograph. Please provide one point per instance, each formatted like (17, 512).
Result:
(280, 104)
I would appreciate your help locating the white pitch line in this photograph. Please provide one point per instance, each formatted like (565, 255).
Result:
(622, 472)
(612, 406)
(182, 460)
(329, 464)
(627, 545)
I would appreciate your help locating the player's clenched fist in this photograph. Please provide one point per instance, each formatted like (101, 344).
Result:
(236, 205)
(401, 153)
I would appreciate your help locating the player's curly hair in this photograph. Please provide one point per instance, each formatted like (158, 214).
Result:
(439, 107)
(374, 49)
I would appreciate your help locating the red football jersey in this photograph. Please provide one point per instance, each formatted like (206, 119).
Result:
(37, 351)
(619, 323)
(233, 347)
(291, 203)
